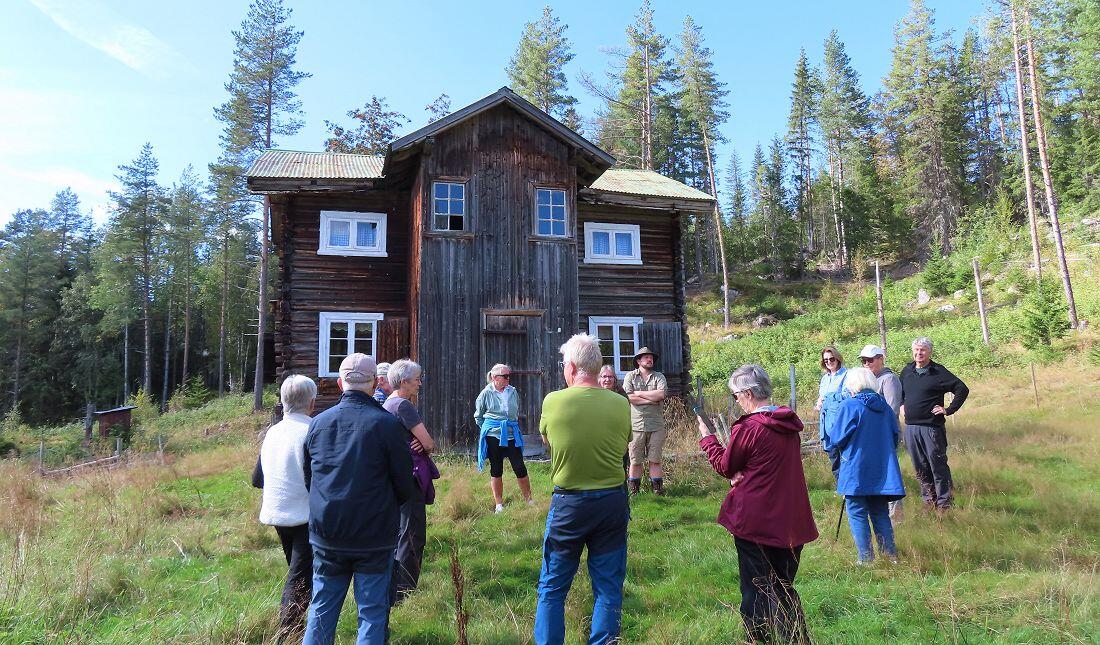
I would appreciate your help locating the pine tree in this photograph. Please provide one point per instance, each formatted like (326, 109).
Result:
(187, 216)
(537, 69)
(629, 122)
(376, 128)
(262, 105)
(805, 91)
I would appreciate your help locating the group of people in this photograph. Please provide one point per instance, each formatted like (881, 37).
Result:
(347, 490)
(859, 430)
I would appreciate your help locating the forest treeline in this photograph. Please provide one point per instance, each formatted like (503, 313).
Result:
(998, 125)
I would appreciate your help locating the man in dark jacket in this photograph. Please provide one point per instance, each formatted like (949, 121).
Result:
(924, 383)
(358, 472)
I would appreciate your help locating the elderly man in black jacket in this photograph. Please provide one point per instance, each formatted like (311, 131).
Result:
(924, 383)
(358, 472)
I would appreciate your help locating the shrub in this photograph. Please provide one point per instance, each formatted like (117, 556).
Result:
(938, 275)
(1044, 315)
(191, 395)
(144, 408)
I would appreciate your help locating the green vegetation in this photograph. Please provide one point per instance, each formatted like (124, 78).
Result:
(174, 553)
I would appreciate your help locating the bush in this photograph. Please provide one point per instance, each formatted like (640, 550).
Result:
(938, 276)
(191, 395)
(144, 408)
(1044, 315)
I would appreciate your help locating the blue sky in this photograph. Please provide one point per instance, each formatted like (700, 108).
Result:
(84, 83)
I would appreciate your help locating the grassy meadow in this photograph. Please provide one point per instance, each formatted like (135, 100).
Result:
(173, 553)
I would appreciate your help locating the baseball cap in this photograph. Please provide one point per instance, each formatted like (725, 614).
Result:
(382, 370)
(357, 368)
(871, 351)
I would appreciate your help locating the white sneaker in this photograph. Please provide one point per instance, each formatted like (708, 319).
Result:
(531, 502)
(499, 508)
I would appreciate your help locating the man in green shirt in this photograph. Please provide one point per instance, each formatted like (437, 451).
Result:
(587, 429)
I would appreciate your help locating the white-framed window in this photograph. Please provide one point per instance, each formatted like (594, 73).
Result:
(353, 233)
(341, 334)
(551, 212)
(618, 336)
(448, 206)
(612, 243)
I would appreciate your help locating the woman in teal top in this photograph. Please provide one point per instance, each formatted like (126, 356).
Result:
(496, 412)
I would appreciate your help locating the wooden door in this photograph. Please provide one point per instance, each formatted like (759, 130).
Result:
(514, 337)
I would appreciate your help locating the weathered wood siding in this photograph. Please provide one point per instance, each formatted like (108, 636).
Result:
(498, 265)
(648, 290)
(310, 283)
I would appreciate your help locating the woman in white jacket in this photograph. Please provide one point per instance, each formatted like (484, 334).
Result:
(286, 500)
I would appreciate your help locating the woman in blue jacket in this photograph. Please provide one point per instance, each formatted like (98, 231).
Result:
(865, 436)
(496, 413)
(830, 392)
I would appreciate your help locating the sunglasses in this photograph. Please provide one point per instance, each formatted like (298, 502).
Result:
(504, 376)
(866, 361)
(829, 359)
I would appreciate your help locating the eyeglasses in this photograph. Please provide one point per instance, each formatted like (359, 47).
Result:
(866, 361)
(504, 376)
(829, 359)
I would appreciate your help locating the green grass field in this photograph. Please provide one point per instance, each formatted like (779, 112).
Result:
(173, 554)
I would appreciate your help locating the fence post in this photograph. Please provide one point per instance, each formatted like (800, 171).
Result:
(878, 301)
(118, 446)
(794, 392)
(41, 456)
(160, 449)
(981, 302)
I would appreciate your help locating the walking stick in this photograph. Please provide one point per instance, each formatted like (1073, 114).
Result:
(839, 520)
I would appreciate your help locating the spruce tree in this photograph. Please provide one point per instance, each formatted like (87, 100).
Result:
(537, 69)
(805, 91)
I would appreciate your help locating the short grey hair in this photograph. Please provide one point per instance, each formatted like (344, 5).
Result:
(296, 393)
(752, 379)
(583, 351)
(859, 379)
(403, 370)
(609, 368)
(925, 341)
(496, 371)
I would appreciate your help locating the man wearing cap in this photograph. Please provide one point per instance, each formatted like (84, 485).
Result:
(873, 358)
(382, 387)
(358, 473)
(645, 389)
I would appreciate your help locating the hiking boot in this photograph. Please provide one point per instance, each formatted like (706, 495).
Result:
(658, 486)
(634, 486)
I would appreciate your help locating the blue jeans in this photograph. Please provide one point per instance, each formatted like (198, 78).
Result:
(875, 508)
(597, 519)
(332, 574)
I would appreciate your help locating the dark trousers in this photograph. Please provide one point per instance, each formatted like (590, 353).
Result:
(497, 453)
(412, 535)
(770, 606)
(592, 519)
(299, 577)
(927, 447)
(834, 462)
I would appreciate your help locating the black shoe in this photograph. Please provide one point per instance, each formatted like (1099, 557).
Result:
(658, 486)
(634, 486)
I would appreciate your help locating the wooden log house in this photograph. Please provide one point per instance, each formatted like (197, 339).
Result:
(491, 235)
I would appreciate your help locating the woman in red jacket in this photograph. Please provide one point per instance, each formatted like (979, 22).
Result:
(767, 508)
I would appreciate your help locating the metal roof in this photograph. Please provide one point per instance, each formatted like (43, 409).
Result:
(646, 182)
(291, 164)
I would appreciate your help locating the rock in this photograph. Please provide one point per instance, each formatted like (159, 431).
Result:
(733, 292)
(728, 337)
(765, 320)
(958, 294)
(1091, 222)
(1082, 325)
(946, 308)
(923, 298)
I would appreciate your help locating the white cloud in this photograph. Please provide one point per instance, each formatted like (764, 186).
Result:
(35, 188)
(102, 28)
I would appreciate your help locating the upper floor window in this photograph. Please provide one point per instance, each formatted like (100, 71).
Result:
(352, 233)
(448, 206)
(550, 211)
(342, 334)
(612, 243)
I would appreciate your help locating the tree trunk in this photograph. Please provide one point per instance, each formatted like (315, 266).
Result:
(261, 318)
(647, 115)
(221, 315)
(718, 234)
(836, 212)
(1048, 185)
(186, 317)
(1025, 150)
(842, 234)
(126, 362)
(164, 388)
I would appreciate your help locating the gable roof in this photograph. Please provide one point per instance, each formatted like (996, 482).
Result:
(504, 95)
(293, 164)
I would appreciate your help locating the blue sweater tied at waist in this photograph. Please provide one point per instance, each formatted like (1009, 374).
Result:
(509, 430)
